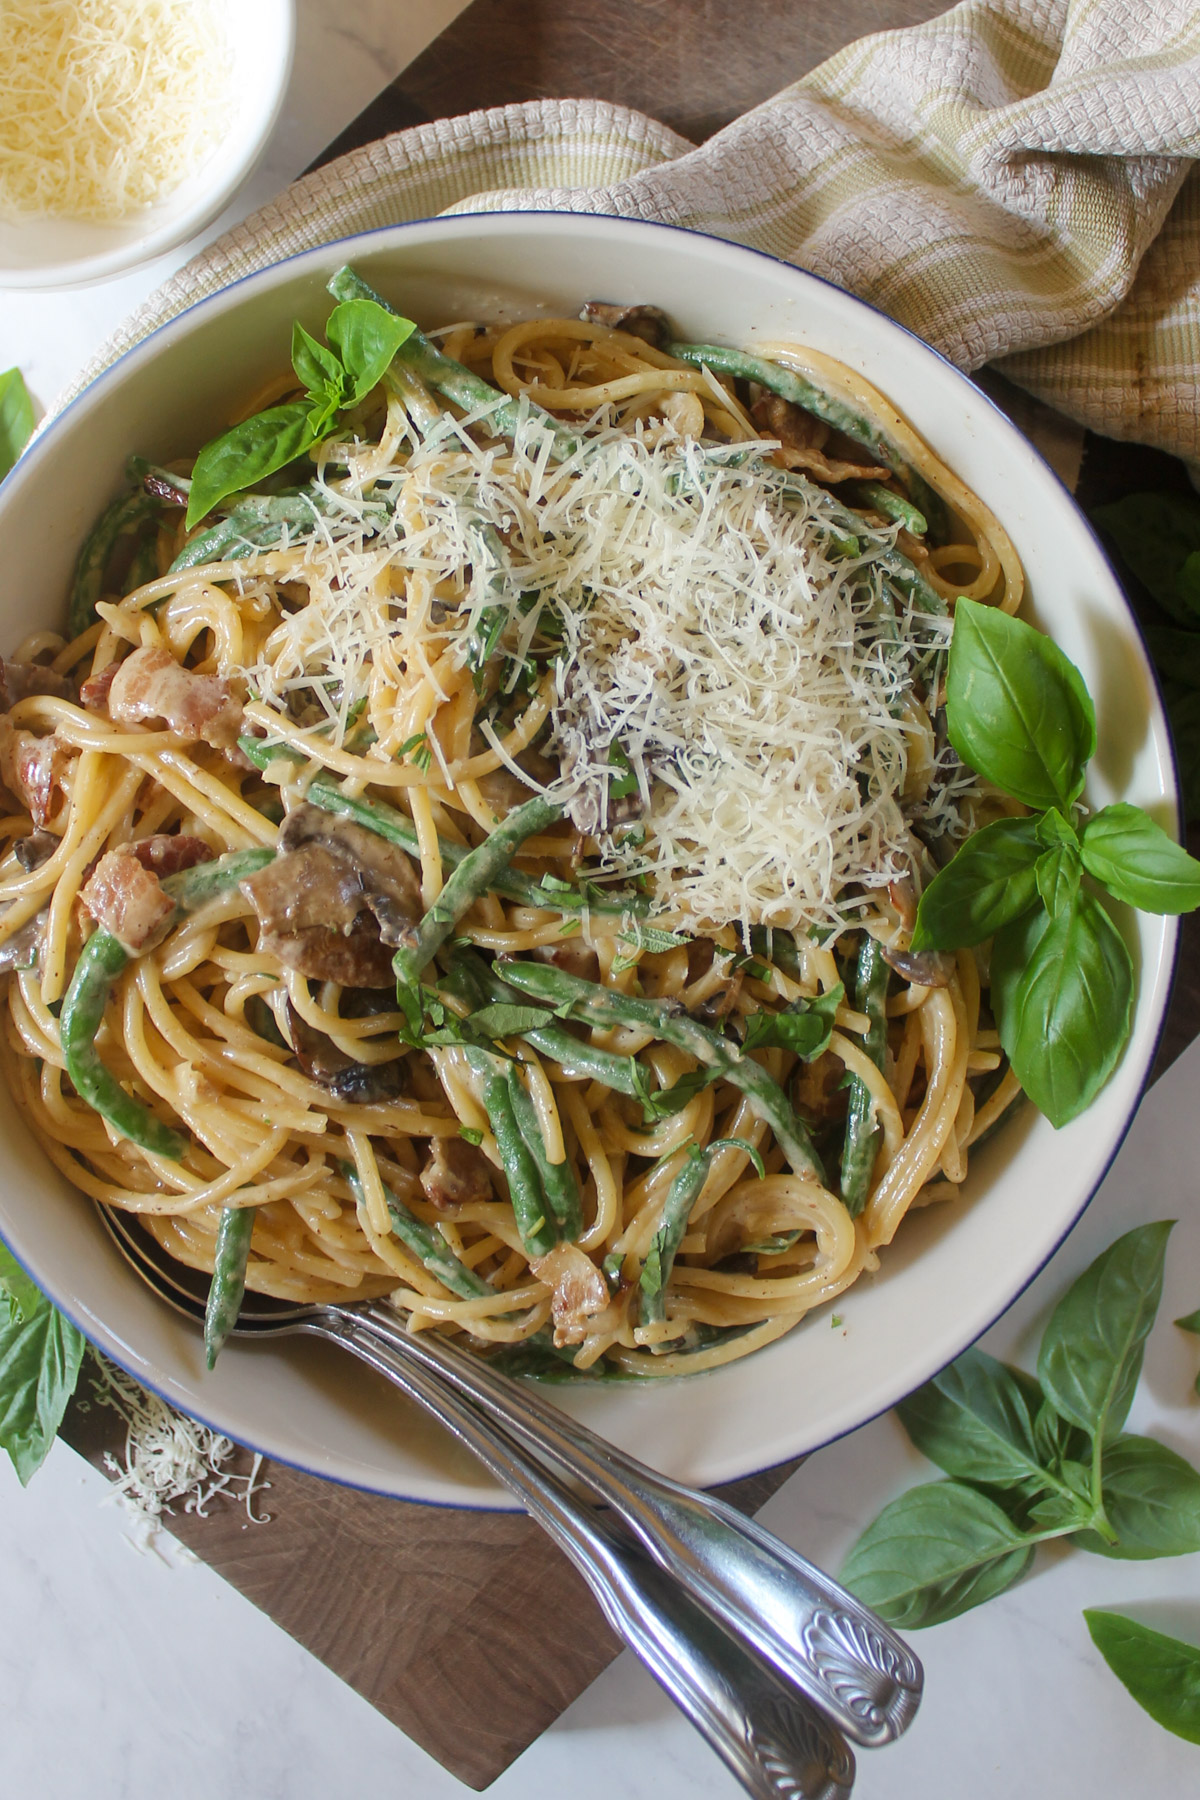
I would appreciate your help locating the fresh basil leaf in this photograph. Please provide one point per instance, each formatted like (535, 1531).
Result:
(366, 337)
(1190, 1321)
(1091, 1351)
(317, 368)
(40, 1354)
(1017, 710)
(974, 1421)
(1158, 535)
(987, 883)
(1055, 1439)
(247, 454)
(664, 1103)
(1162, 1673)
(1062, 992)
(1138, 863)
(502, 1020)
(804, 1027)
(16, 418)
(1053, 829)
(1151, 1500)
(934, 1553)
(15, 1284)
(1059, 872)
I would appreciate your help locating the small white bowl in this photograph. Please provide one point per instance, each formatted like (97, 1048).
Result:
(55, 253)
(953, 1268)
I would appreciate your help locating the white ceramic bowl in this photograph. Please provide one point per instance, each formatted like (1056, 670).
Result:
(52, 253)
(954, 1268)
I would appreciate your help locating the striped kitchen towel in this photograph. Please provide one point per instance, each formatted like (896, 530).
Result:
(1016, 181)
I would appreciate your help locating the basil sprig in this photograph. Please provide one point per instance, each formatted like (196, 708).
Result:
(1018, 712)
(361, 340)
(40, 1354)
(1030, 1460)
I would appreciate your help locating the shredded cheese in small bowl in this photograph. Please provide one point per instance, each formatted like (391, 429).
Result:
(126, 124)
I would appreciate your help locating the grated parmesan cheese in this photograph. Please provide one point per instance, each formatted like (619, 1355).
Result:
(106, 105)
(752, 674)
(169, 1459)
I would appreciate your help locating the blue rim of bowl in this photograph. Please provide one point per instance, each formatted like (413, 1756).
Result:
(489, 222)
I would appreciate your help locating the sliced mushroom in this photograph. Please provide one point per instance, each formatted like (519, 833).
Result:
(354, 1083)
(456, 1174)
(23, 949)
(387, 878)
(32, 851)
(334, 900)
(650, 323)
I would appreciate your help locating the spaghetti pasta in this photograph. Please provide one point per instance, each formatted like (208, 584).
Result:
(596, 686)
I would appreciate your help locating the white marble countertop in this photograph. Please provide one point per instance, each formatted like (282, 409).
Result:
(124, 1676)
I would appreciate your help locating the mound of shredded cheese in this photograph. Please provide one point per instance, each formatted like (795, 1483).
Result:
(106, 105)
(716, 641)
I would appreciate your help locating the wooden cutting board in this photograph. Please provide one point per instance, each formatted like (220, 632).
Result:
(470, 1631)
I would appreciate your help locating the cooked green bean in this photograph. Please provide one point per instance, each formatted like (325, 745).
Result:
(476, 982)
(387, 822)
(558, 1179)
(104, 958)
(475, 876)
(99, 965)
(126, 514)
(451, 379)
(531, 1210)
(892, 505)
(227, 1288)
(863, 1134)
(426, 1243)
(604, 1007)
(839, 414)
(682, 1195)
(904, 574)
(193, 888)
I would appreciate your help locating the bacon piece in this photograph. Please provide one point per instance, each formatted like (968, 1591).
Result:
(20, 679)
(128, 901)
(580, 1291)
(32, 768)
(150, 684)
(93, 695)
(456, 1174)
(805, 439)
(169, 852)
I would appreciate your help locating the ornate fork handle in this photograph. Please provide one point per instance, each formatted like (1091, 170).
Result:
(776, 1745)
(816, 1634)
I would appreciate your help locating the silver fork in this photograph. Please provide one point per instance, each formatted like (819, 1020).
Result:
(806, 1635)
